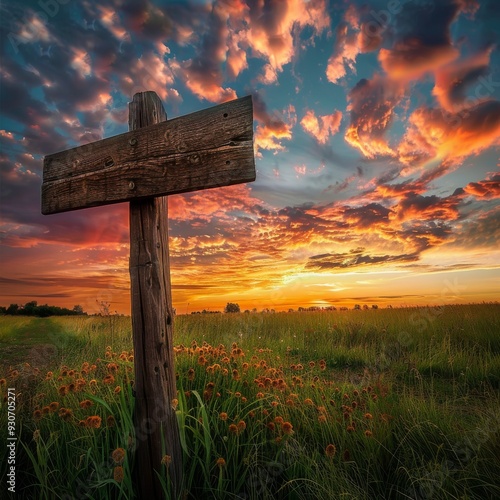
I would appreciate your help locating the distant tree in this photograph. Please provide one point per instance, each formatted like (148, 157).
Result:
(357, 307)
(12, 309)
(231, 307)
(78, 309)
(374, 306)
(30, 308)
(3, 310)
(290, 310)
(365, 307)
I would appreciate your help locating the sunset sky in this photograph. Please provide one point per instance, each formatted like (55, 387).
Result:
(376, 133)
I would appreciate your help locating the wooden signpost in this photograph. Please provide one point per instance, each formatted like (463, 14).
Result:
(206, 149)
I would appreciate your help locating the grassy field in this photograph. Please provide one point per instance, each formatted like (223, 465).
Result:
(377, 404)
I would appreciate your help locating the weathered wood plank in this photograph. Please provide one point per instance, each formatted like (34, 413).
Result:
(152, 324)
(156, 176)
(204, 142)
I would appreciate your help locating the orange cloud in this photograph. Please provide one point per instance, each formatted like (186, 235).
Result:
(488, 188)
(422, 42)
(273, 28)
(273, 127)
(452, 81)
(435, 133)
(415, 206)
(371, 105)
(410, 59)
(348, 45)
(322, 127)
(152, 72)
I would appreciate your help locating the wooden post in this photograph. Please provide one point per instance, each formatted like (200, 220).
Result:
(152, 323)
(206, 149)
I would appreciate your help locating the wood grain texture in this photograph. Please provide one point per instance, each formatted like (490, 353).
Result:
(152, 324)
(206, 149)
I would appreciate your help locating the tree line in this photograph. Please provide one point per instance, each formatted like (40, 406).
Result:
(33, 309)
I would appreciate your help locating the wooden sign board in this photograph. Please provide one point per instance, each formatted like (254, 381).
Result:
(206, 149)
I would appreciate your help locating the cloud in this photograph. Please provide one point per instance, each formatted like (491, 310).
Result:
(354, 258)
(488, 188)
(358, 32)
(272, 128)
(151, 71)
(367, 216)
(344, 55)
(416, 206)
(322, 127)
(478, 233)
(422, 39)
(453, 80)
(203, 74)
(276, 25)
(371, 105)
(436, 134)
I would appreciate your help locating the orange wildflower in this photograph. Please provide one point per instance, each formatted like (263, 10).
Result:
(117, 390)
(220, 462)
(118, 474)
(118, 455)
(330, 450)
(166, 460)
(66, 413)
(223, 415)
(93, 421)
(110, 421)
(233, 429)
(54, 406)
(368, 433)
(287, 428)
(241, 426)
(37, 415)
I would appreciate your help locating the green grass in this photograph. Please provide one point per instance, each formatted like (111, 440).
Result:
(410, 399)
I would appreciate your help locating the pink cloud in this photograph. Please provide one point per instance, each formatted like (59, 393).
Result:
(452, 81)
(322, 127)
(273, 127)
(152, 72)
(273, 28)
(347, 47)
